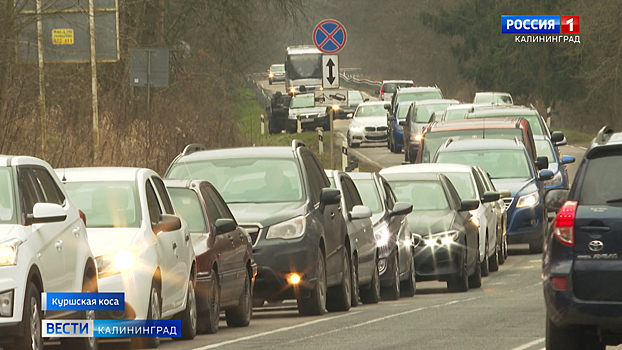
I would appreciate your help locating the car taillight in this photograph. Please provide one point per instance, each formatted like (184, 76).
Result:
(382, 95)
(82, 216)
(563, 226)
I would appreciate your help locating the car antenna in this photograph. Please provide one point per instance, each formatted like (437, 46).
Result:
(64, 164)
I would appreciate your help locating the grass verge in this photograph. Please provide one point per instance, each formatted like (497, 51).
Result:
(577, 138)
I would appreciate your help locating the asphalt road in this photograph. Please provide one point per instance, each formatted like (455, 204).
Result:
(506, 313)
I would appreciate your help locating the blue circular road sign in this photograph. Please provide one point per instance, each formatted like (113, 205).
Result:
(329, 36)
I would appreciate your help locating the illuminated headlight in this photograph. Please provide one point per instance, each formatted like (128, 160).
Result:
(289, 229)
(556, 180)
(400, 127)
(415, 137)
(292, 90)
(443, 238)
(115, 263)
(271, 75)
(8, 252)
(335, 108)
(528, 200)
(475, 221)
(321, 88)
(6, 304)
(382, 235)
(357, 128)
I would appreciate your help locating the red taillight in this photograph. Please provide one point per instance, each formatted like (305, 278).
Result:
(82, 216)
(560, 283)
(563, 226)
(382, 95)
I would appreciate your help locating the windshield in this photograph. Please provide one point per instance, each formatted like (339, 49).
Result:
(242, 180)
(601, 184)
(305, 66)
(391, 87)
(424, 112)
(402, 111)
(543, 149)
(456, 114)
(369, 194)
(432, 141)
(302, 101)
(188, 206)
(424, 195)
(106, 204)
(534, 120)
(493, 98)
(8, 213)
(355, 96)
(371, 111)
(279, 68)
(500, 164)
(463, 182)
(418, 96)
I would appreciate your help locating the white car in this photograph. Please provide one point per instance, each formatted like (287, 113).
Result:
(43, 248)
(501, 98)
(469, 185)
(369, 124)
(142, 247)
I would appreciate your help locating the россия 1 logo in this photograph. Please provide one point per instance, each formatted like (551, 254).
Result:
(539, 24)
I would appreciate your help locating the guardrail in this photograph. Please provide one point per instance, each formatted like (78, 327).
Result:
(366, 83)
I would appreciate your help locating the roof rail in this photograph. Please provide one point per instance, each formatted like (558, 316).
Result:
(448, 142)
(193, 147)
(532, 106)
(297, 143)
(603, 135)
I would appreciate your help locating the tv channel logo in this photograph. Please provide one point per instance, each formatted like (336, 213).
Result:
(539, 24)
(570, 24)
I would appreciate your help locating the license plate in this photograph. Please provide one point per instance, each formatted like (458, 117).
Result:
(376, 133)
(306, 120)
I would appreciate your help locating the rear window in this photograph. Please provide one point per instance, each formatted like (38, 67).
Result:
(187, 204)
(500, 164)
(424, 195)
(602, 184)
(391, 87)
(424, 112)
(371, 111)
(419, 96)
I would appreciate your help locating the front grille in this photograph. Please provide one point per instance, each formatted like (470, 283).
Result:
(253, 231)
(376, 138)
(381, 128)
(507, 202)
(370, 128)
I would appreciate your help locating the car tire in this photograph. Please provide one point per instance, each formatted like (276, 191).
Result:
(558, 338)
(32, 317)
(270, 81)
(240, 316)
(475, 280)
(354, 272)
(501, 246)
(340, 297)
(393, 291)
(154, 313)
(89, 285)
(493, 260)
(409, 287)
(459, 282)
(505, 248)
(207, 323)
(371, 293)
(188, 317)
(315, 304)
(484, 264)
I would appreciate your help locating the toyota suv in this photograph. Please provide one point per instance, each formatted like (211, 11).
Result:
(582, 261)
(283, 199)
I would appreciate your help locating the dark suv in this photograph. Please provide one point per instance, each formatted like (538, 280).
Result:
(283, 199)
(582, 262)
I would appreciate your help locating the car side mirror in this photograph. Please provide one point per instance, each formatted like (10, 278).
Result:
(557, 136)
(167, 223)
(401, 208)
(330, 196)
(568, 159)
(402, 122)
(545, 175)
(387, 106)
(504, 194)
(359, 212)
(43, 213)
(490, 196)
(366, 100)
(563, 142)
(555, 198)
(542, 163)
(469, 204)
(350, 115)
(224, 225)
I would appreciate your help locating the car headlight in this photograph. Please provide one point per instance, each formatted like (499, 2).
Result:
(556, 180)
(271, 75)
(289, 229)
(442, 238)
(382, 235)
(415, 138)
(528, 200)
(8, 252)
(357, 128)
(475, 221)
(115, 263)
(335, 108)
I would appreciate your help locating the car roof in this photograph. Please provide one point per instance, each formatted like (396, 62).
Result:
(397, 81)
(242, 152)
(437, 101)
(492, 93)
(278, 65)
(500, 111)
(469, 105)
(481, 144)
(373, 103)
(427, 168)
(473, 124)
(361, 175)
(9, 160)
(100, 174)
(606, 138)
(409, 175)
(418, 89)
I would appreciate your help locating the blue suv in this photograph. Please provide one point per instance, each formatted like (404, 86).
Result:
(582, 262)
(396, 127)
(510, 168)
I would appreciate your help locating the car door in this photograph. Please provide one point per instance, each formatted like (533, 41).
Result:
(360, 229)
(489, 212)
(398, 224)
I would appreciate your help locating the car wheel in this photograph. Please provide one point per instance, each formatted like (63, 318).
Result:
(505, 248)
(270, 81)
(89, 285)
(475, 280)
(240, 316)
(493, 261)
(459, 282)
(189, 315)
(354, 268)
(410, 285)
(371, 293)
(393, 291)
(558, 338)
(501, 247)
(315, 304)
(207, 323)
(32, 338)
(484, 264)
(340, 297)
(154, 313)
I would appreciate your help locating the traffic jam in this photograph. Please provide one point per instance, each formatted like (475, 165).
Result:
(226, 234)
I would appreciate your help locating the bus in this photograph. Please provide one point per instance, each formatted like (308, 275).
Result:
(303, 67)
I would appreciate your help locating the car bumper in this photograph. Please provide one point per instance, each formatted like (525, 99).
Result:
(309, 124)
(15, 281)
(358, 137)
(277, 260)
(438, 262)
(385, 259)
(525, 225)
(136, 286)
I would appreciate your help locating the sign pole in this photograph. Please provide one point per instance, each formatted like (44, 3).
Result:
(94, 82)
(332, 140)
(148, 108)
(41, 78)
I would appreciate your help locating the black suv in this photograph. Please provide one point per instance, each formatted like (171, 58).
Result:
(582, 264)
(283, 199)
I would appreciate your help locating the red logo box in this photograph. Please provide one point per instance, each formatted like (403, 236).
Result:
(570, 25)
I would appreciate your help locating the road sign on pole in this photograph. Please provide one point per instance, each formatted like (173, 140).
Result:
(329, 36)
(330, 71)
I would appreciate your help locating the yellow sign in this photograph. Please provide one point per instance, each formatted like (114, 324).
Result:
(62, 36)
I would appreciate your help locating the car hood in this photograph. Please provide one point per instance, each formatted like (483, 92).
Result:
(307, 110)
(313, 82)
(266, 214)
(370, 121)
(11, 231)
(516, 186)
(431, 221)
(105, 241)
